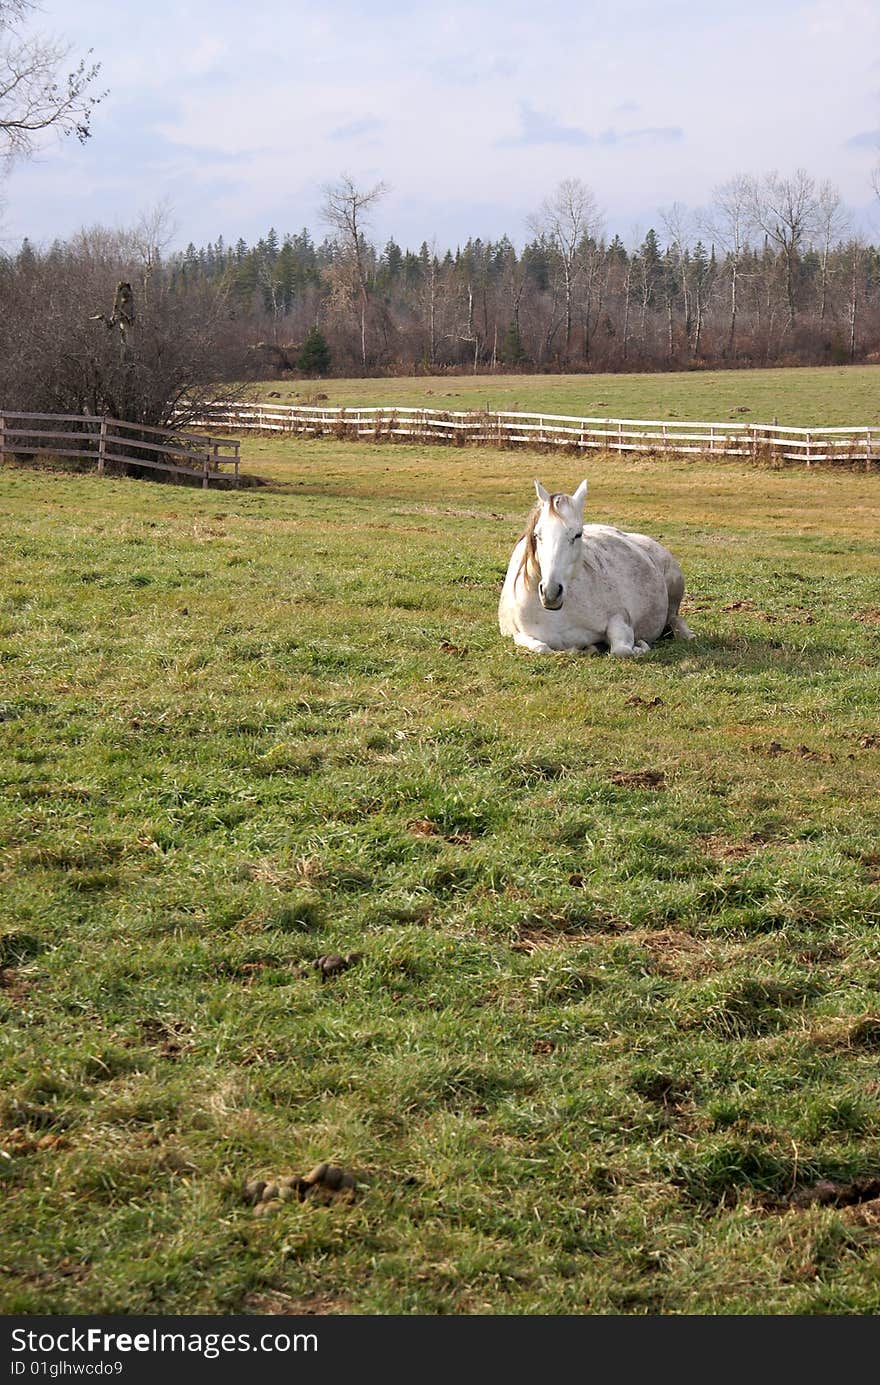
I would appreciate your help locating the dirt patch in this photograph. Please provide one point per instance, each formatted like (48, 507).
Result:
(14, 986)
(273, 1303)
(560, 930)
(675, 953)
(801, 752)
(862, 1033)
(168, 1037)
(639, 779)
(424, 827)
(671, 1092)
(723, 848)
(826, 1193)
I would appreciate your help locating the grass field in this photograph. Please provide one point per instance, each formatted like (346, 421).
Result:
(829, 396)
(608, 1042)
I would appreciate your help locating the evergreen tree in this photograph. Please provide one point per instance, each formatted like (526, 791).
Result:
(392, 260)
(512, 351)
(314, 359)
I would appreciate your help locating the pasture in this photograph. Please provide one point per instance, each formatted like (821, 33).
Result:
(608, 1040)
(807, 397)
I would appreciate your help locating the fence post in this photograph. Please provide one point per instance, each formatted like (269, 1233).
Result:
(2, 439)
(809, 449)
(236, 445)
(206, 463)
(102, 445)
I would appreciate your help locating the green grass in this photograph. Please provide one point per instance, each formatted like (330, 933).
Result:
(600, 1037)
(813, 396)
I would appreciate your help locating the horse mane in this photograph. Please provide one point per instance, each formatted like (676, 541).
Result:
(528, 563)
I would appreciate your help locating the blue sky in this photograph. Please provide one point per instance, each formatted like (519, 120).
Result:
(236, 114)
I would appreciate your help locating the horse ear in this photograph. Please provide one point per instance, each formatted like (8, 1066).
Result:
(542, 493)
(580, 495)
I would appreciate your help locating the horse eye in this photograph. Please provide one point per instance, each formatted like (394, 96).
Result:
(578, 535)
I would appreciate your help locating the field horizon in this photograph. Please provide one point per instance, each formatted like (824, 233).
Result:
(802, 396)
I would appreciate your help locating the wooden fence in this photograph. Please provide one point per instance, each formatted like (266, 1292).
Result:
(763, 440)
(110, 442)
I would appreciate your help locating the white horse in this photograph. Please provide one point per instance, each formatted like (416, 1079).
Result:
(571, 585)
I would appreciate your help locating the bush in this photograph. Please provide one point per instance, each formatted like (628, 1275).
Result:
(63, 350)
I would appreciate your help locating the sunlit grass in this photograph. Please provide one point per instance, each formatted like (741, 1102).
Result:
(598, 1035)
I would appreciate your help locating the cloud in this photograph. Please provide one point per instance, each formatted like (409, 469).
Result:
(627, 108)
(466, 70)
(651, 134)
(868, 139)
(539, 128)
(368, 125)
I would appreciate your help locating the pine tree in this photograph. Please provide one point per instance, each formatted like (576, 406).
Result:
(512, 351)
(314, 359)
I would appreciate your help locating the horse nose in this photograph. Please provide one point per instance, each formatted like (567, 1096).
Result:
(550, 594)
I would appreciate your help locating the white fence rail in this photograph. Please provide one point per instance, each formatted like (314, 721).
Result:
(547, 430)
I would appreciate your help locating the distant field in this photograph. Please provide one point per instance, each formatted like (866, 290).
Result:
(834, 396)
(608, 1040)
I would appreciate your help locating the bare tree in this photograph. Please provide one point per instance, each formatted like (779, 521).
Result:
(729, 222)
(677, 225)
(786, 210)
(434, 297)
(855, 255)
(153, 233)
(346, 208)
(568, 220)
(831, 222)
(35, 93)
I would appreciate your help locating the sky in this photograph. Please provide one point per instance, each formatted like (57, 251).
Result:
(235, 114)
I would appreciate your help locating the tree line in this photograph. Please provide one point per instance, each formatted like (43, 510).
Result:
(770, 273)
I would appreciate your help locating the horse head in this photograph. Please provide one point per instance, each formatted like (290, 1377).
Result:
(553, 547)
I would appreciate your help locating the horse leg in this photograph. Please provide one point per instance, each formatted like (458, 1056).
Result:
(622, 639)
(674, 623)
(533, 646)
(680, 631)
